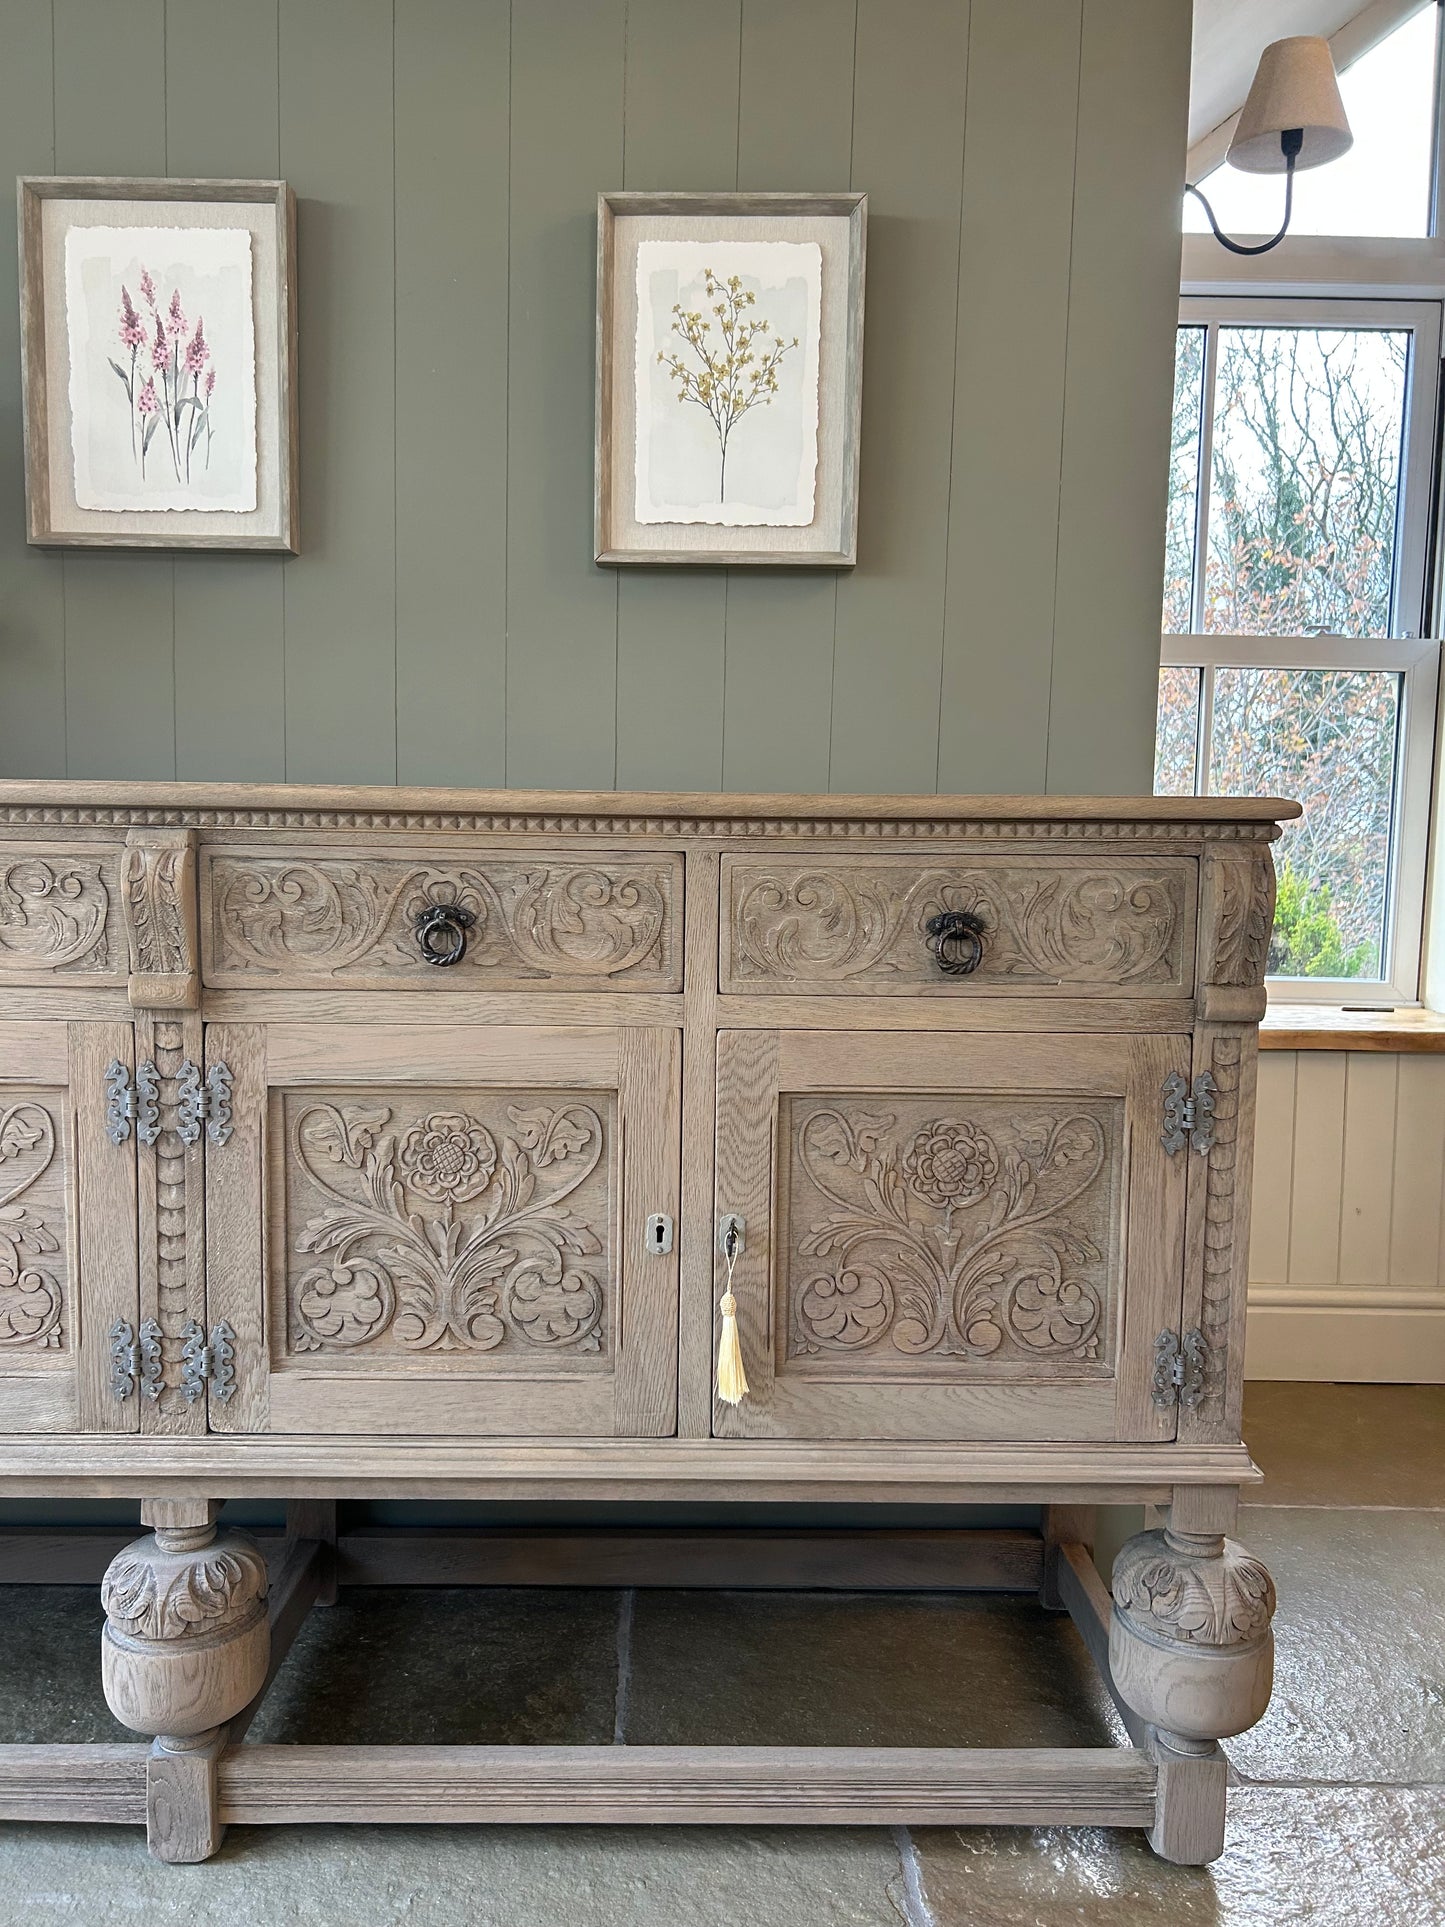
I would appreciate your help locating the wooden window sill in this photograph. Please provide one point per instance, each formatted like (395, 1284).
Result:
(1326, 1027)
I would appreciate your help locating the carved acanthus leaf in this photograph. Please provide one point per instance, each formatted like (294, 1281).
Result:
(1046, 923)
(31, 1251)
(1196, 1599)
(979, 1233)
(1243, 920)
(442, 1231)
(154, 1594)
(157, 920)
(531, 919)
(53, 913)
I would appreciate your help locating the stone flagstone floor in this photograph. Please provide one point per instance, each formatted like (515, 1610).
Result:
(1338, 1818)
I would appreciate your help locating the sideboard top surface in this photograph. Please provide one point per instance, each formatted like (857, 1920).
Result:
(622, 812)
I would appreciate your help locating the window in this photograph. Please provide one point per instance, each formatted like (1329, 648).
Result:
(1294, 604)
(1382, 186)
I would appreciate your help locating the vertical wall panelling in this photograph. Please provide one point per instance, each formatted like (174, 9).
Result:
(561, 608)
(680, 131)
(1013, 317)
(1367, 1193)
(795, 130)
(445, 619)
(452, 136)
(1273, 1168)
(1416, 1166)
(1319, 1149)
(32, 593)
(912, 58)
(119, 631)
(336, 149)
(1133, 89)
(222, 118)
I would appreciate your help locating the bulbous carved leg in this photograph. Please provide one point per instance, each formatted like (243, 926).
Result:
(1191, 1651)
(185, 1647)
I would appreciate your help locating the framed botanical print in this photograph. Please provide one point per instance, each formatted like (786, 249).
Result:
(729, 378)
(158, 350)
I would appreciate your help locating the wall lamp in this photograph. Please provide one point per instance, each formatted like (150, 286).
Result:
(1293, 118)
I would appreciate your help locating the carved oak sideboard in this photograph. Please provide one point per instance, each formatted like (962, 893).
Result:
(388, 1142)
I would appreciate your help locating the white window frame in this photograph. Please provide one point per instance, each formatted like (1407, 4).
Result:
(1404, 651)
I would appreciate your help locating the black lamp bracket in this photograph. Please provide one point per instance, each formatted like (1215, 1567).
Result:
(1290, 141)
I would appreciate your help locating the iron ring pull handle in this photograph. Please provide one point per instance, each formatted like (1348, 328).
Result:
(956, 939)
(441, 933)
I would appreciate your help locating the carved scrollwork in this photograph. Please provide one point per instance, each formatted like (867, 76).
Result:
(949, 1234)
(527, 919)
(149, 1593)
(442, 1232)
(1223, 1600)
(53, 914)
(31, 1292)
(860, 922)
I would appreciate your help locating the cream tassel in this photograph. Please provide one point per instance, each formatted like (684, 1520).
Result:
(732, 1380)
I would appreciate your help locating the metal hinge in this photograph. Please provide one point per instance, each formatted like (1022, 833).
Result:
(135, 1362)
(132, 1103)
(1181, 1369)
(202, 1362)
(1188, 1116)
(207, 1104)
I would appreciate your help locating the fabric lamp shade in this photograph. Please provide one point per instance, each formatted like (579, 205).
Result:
(1294, 86)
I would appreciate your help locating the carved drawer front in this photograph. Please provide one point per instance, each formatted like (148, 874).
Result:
(60, 915)
(831, 925)
(523, 920)
(950, 1237)
(69, 1281)
(456, 1229)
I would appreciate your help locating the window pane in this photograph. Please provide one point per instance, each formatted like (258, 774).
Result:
(1326, 738)
(1176, 741)
(1183, 481)
(1305, 474)
(1382, 186)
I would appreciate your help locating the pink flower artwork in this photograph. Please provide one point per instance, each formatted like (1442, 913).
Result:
(183, 400)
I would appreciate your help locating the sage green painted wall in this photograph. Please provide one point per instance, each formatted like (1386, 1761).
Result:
(446, 623)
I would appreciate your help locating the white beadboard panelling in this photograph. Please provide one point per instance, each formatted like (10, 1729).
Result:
(1346, 1276)
(1319, 1147)
(1367, 1187)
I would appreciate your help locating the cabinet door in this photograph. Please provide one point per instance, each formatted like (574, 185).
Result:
(70, 1353)
(428, 1230)
(950, 1237)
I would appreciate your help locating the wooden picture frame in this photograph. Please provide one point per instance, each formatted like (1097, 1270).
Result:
(810, 519)
(81, 489)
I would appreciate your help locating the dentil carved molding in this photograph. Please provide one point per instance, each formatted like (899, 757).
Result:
(31, 1228)
(861, 923)
(532, 919)
(1193, 1598)
(442, 1228)
(54, 913)
(975, 1230)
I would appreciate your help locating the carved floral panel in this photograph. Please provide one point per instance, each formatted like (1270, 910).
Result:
(59, 914)
(33, 1230)
(471, 1223)
(613, 922)
(939, 1232)
(853, 924)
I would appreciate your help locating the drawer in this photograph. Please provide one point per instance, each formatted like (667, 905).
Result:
(840, 925)
(60, 914)
(528, 920)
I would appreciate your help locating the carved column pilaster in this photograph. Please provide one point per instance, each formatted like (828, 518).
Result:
(185, 1647)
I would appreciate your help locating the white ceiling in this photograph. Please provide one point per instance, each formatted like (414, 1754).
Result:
(1230, 35)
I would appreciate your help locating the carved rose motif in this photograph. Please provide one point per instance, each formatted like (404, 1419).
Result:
(1010, 1277)
(449, 1157)
(519, 1266)
(950, 1163)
